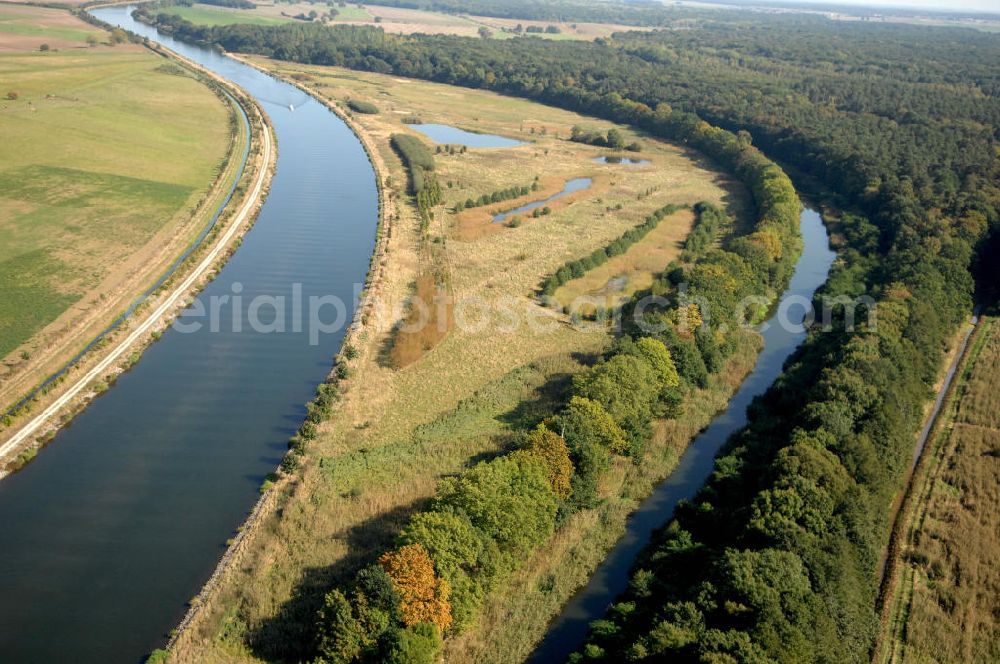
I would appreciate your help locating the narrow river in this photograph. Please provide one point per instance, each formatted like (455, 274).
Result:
(568, 630)
(121, 519)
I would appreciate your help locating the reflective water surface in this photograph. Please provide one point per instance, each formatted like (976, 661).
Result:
(448, 135)
(120, 520)
(626, 161)
(576, 184)
(567, 631)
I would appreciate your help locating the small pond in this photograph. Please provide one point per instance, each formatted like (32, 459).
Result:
(448, 135)
(613, 159)
(576, 184)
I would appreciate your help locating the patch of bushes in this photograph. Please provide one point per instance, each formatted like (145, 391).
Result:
(613, 139)
(707, 221)
(419, 161)
(413, 151)
(232, 4)
(361, 106)
(497, 196)
(484, 523)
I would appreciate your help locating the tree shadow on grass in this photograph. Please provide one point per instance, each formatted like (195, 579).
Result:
(290, 635)
(547, 399)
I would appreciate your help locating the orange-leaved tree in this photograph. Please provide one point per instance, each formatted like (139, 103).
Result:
(424, 595)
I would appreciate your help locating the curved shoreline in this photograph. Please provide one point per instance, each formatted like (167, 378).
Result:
(268, 500)
(34, 433)
(40, 389)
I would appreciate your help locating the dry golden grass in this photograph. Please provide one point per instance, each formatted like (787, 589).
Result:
(614, 282)
(397, 432)
(950, 575)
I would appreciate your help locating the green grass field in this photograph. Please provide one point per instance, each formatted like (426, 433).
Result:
(105, 152)
(264, 14)
(18, 22)
(353, 13)
(212, 16)
(391, 19)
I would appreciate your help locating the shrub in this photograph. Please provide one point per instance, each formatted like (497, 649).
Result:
(658, 358)
(509, 499)
(413, 151)
(419, 644)
(462, 555)
(627, 387)
(341, 638)
(708, 219)
(552, 451)
(686, 356)
(360, 106)
(584, 422)
(451, 540)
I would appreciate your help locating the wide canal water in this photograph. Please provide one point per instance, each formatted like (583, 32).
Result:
(119, 522)
(783, 333)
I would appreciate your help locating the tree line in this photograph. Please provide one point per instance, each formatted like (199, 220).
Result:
(419, 162)
(498, 196)
(575, 269)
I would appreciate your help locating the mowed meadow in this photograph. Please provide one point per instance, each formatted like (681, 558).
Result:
(397, 432)
(951, 579)
(107, 150)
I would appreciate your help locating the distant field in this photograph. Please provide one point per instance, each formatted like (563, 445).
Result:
(950, 572)
(391, 19)
(408, 21)
(398, 431)
(212, 16)
(105, 152)
(266, 14)
(27, 28)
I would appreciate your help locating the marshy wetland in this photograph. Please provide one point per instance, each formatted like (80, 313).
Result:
(398, 430)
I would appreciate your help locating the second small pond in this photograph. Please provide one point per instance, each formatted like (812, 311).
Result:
(446, 134)
(613, 159)
(576, 184)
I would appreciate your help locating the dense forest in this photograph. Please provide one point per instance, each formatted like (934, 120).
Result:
(777, 558)
(636, 12)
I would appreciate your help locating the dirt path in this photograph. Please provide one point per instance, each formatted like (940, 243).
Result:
(901, 518)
